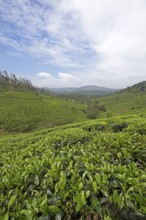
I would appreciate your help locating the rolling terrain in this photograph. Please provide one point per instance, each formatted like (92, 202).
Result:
(126, 101)
(25, 108)
(56, 164)
(23, 111)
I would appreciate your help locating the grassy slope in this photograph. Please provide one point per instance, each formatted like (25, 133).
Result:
(124, 102)
(26, 111)
(128, 101)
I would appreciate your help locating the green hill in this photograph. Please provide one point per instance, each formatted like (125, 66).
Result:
(131, 100)
(23, 111)
(24, 108)
(127, 101)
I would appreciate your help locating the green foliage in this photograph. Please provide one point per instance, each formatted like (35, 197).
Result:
(127, 101)
(116, 127)
(131, 101)
(93, 109)
(31, 109)
(82, 171)
(10, 81)
(27, 111)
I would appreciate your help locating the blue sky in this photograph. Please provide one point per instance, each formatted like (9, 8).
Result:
(74, 42)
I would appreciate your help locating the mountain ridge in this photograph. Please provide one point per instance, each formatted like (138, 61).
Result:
(83, 89)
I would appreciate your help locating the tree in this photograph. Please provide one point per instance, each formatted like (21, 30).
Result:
(142, 88)
(10, 81)
(93, 109)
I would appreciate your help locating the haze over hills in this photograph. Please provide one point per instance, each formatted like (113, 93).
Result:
(88, 89)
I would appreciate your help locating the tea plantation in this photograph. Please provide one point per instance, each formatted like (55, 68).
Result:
(90, 170)
(26, 111)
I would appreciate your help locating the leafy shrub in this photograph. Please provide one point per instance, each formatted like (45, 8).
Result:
(119, 126)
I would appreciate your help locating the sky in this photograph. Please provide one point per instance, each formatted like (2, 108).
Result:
(72, 43)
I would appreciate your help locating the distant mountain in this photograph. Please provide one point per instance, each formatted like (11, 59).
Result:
(63, 90)
(89, 89)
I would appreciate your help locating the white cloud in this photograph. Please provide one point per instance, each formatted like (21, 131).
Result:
(45, 75)
(44, 79)
(103, 40)
(45, 31)
(117, 31)
(66, 77)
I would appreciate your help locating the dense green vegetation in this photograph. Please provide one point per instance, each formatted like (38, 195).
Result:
(130, 100)
(26, 111)
(24, 108)
(90, 170)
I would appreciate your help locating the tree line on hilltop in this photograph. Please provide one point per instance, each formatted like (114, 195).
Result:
(9, 81)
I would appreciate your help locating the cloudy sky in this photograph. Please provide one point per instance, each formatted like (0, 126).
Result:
(59, 43)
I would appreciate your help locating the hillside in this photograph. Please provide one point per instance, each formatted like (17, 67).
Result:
(26, 111)
(24, 108)
(141, 86)
(126, 101)
(90, 170)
